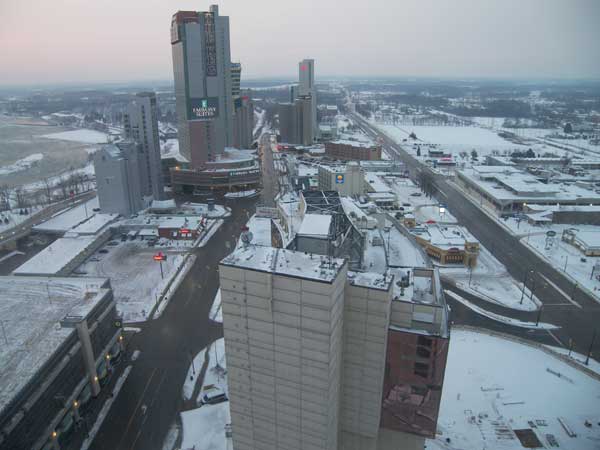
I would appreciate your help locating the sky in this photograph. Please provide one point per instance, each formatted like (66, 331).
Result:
(62, 41)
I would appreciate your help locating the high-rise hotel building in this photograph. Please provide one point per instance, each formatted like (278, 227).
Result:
(202, 72)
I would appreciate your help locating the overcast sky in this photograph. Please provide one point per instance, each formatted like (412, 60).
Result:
(47, 41)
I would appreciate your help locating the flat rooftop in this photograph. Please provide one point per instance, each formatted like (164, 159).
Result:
(371, 280)
(284, 262)
(31, 309)
(56, 256)
(446, 236)
(315, 225)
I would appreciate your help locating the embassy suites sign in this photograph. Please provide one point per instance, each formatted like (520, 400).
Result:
(205, 108)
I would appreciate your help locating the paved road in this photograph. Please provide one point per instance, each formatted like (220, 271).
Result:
(158, 374)
(269, 175)
(576, 312)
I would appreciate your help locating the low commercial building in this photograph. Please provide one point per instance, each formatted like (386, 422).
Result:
(63, 256)
(586, 241)
(60, 339)
(347, 180)
(507, 189)
(350, 150)
(322, 358)
(181, 227)
(448, 244)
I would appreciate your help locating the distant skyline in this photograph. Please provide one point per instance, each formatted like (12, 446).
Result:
(78, 41)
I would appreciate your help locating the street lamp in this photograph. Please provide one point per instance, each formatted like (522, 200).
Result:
(524, 283)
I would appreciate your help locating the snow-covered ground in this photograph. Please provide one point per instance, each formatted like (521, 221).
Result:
(498, 317)
(402, 252)
(22, 164)
(134, 275)
(565, 256)
(10, 219)
(83, 136)
(491, 281)
(494, 386)
(215, 377)
(204, 428)
(374, 256)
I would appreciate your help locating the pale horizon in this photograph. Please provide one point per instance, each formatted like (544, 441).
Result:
(46, 43)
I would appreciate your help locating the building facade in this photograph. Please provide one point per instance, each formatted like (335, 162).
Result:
(64, 340)
(315, 354)
(352, 150)
(243, 122)
(141, 125)
(236, 79)
(118, 179)
(348, 180)
(307, 88)
(295, 122)
(203, 86)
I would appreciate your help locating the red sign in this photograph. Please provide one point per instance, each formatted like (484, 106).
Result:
(160, 256)
(185, 230)
(303, 67)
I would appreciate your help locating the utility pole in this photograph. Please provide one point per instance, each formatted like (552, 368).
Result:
(523, 290)
(537, 322)
(589, 353)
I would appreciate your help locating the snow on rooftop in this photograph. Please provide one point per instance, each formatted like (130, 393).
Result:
(95, 223)
(370, 280)
(170, 149)
(31, 309)
(70, 218)
(376, 182)
(56, 256)
(316, 225)
(260, 227)
(84, 136)
(285, 262)
(493, 386)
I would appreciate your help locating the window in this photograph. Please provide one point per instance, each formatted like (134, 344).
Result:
(423, 352)
(421, 369)
(424, 341)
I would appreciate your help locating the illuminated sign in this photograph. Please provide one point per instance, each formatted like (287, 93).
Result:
(339, 179)
(203, 108)
(160, 256)
(303, 67)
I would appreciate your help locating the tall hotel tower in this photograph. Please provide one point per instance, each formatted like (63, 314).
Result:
(202, 72)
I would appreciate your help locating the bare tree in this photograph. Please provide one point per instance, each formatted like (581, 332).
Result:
(63, 184)
(20, 197)
(47, 190)
(4, 197)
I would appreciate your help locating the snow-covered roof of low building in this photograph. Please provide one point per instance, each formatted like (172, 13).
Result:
(315, 225)
(170, 149)
(94, 223)
(191, 222)
(590, 239)
(71, 218)
(56, 256)
(284, 262)
(163, 205)
(31, 309)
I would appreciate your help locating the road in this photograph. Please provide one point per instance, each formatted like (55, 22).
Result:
(576, 312)
(166, 344)
(269, 179)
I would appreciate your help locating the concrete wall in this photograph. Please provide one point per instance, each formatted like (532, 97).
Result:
(283, 339)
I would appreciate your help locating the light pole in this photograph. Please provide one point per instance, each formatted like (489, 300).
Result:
(537, 321)
(470, 274)
(589, 353)
(524, 283)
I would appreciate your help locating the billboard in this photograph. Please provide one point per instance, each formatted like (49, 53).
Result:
(412, 386)
(205, 108)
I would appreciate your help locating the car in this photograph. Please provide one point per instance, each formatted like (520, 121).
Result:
(103, 250)
(212, 395)
(416, 194)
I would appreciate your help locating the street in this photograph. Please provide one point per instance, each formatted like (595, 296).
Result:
(577, 323)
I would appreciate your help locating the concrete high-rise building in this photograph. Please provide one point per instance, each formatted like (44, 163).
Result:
(306, 87)
(243, 122)
(141, 125)
(322, 358)
(236, 79)
(118, 180)
(295, 121)
(203, 88)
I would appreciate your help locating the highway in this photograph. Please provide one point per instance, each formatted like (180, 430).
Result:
(575, 311)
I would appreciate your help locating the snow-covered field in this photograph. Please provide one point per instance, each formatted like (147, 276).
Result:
(565, 256)
(10, 219)
(135, 277)
(494, 386)
(204, 428)
(83, 136)
(22, 164)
